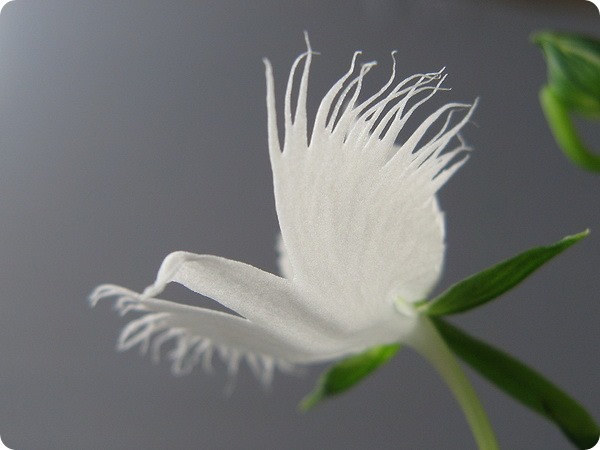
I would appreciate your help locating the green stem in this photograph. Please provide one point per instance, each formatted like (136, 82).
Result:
(564, 131)
(429, 343)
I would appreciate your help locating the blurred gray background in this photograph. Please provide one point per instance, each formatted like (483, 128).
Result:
(131, 129)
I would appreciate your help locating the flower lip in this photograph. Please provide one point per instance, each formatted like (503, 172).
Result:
(357, 144)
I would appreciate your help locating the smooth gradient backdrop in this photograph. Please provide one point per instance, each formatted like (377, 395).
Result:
(132, 128)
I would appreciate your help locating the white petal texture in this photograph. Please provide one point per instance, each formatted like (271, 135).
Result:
(360, 225)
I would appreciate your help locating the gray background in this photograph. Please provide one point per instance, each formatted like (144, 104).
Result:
(129, 129)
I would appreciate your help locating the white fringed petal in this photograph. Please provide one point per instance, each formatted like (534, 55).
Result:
(276, 322)
(357, 212)
(268, 301)
(196, 333)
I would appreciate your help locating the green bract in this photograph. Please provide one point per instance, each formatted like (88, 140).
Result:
(495, 281)
(573, 87)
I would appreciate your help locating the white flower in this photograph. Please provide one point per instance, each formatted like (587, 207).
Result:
(362, 236)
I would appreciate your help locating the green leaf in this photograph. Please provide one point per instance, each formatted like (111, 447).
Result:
(524, 384)
(495, 281)
(573, 69)
(345, 374)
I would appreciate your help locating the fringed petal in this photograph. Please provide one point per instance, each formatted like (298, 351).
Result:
(195, 334)
(290, 312)
(357, 210)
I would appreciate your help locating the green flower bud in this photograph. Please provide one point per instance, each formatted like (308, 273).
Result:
(573, 70)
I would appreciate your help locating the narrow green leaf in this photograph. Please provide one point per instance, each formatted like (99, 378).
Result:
(348, 372)
(524, 384)
(495, 281)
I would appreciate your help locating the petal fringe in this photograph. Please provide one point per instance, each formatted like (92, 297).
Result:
(357, 210)
(196, 334)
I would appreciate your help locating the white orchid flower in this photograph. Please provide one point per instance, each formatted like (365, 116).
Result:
(362, 240)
